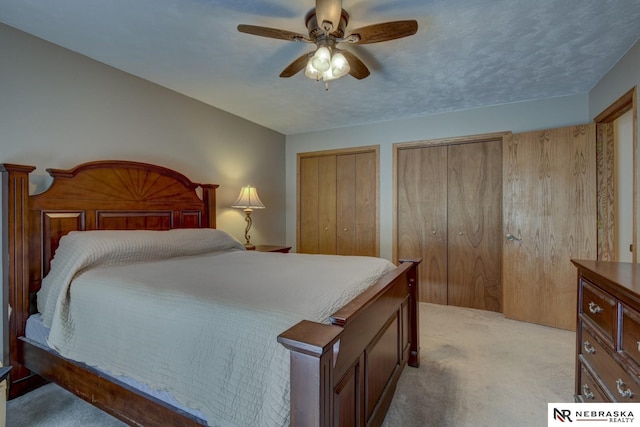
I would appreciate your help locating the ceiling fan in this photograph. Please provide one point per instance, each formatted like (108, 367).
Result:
(327, 27)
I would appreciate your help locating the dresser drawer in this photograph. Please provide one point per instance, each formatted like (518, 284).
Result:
(589, 390)
(599, 307)
(630, 342)
(616, 380)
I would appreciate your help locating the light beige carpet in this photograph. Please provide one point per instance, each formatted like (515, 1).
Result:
(480, 369)
(477, 369)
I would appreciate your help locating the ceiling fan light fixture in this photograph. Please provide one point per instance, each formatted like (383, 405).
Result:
(336, 65)
(339, 65)
(327, 25)
(321, 60)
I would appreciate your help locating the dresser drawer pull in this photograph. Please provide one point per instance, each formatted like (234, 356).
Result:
(623, 389)
(588, 348)
(587, 393)
(594, 308)
(638, 345)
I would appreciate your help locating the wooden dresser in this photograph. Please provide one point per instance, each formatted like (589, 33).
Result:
(608, 332)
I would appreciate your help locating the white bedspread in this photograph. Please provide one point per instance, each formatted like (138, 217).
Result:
(202, 326)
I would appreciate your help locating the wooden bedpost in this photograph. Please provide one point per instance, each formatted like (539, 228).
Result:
(314, 348)
(414, 284)
(15, 269)
(209, 199)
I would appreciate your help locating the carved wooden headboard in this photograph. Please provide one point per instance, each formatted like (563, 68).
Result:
(101, 195)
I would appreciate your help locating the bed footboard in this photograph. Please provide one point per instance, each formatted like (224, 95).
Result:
(345, 374)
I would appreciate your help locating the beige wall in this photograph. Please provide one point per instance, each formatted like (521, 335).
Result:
(59, 109)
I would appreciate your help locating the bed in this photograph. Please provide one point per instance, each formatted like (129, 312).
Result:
(342, 371)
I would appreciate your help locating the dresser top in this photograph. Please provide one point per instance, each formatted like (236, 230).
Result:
(620, 278)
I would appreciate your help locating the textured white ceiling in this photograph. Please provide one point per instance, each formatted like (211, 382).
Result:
(467, 53)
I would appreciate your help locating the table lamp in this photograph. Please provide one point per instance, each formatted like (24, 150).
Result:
(248, 200)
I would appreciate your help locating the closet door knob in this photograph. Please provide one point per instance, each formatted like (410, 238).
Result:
(460, 233)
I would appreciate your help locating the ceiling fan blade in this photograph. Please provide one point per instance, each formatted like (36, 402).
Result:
(382, 32)
(295, 66)
(273, 33)
(356, 67)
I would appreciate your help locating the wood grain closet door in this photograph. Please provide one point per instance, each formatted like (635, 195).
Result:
(422, 216)
(317, 211)
(327, 205)
(356, 204)
(475, 224)
(550, 210)
(338, 202)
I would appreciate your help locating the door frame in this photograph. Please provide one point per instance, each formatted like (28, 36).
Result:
(604, 163)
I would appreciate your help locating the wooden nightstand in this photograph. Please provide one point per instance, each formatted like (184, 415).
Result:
(273, 248)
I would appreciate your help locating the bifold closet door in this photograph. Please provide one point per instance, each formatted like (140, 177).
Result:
(356, 204)
(317, 216)
(338, 202)
(449, 214)
(422, 216)
(474, 218)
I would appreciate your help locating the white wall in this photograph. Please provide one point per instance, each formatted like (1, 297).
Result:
(516, 117)
(59, 109)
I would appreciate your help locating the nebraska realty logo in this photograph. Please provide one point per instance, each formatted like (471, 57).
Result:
(599, 413)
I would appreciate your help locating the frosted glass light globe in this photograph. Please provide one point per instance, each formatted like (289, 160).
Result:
(311, 72)
(339, 65)
(321, 60)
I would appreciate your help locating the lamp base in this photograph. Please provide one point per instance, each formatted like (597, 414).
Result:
(249, 246)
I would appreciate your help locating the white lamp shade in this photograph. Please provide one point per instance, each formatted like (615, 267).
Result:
(321, 60)
(248, 199)
(339, 65)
